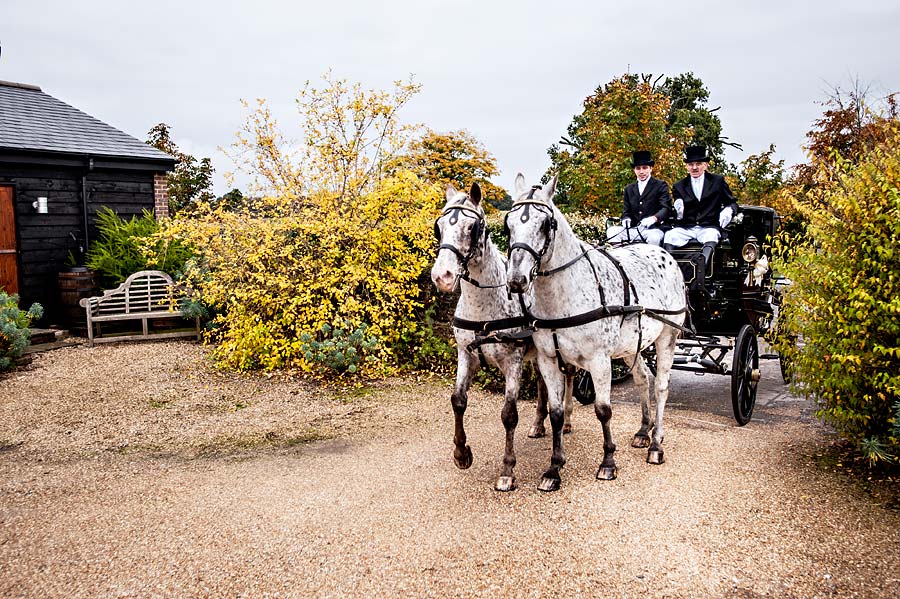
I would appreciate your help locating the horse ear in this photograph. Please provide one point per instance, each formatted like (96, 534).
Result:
(451, 192)
(475, 193)
(550, 188)
(520, 184)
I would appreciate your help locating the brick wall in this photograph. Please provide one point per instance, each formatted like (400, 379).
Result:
(160, 196)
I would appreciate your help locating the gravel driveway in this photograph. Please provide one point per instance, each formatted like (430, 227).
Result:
(137, 470)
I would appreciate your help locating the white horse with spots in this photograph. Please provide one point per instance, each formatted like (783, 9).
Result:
(591, 305)
(488, 323)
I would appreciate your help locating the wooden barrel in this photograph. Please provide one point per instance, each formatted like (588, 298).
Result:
(75, 284)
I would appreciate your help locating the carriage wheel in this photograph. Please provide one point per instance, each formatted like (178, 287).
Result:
(583, 388)
(744, 374)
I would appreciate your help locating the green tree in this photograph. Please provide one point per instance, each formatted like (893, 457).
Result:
(594, 158)
(191, 181)
(759, 179)
(456, 157)
(689, 96)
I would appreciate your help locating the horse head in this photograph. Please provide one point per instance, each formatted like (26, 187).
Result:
(461, 229)
(531, 225)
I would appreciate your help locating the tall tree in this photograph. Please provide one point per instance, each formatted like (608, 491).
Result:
(689, 96)
(594, 159)
(456, 157)
(191, 181)
(851, 124)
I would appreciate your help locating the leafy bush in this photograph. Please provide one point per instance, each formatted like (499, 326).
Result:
(339, 349)
(123, 248)
(336, 235)
(844, 301)
(14, 323)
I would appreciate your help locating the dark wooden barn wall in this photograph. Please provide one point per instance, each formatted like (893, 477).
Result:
(45, 240)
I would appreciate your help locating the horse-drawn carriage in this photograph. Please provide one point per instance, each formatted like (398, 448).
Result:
(734, 301)
(565, 304)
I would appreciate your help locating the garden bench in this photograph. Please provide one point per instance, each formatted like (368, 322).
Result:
(146, 295)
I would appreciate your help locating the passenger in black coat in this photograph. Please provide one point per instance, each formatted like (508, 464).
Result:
(643, 213)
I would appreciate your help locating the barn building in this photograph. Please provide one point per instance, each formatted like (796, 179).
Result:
(58, 167)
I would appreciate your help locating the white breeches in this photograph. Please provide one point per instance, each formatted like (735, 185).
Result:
(679, 236)
(619, 234)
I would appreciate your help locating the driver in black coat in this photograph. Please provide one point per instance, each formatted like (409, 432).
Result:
(704, 206)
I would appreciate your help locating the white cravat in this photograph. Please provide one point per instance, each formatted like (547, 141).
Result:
(642, 185)
(697, 184)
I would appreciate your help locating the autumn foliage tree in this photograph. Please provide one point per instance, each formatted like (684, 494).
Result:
(322, 274)
(458, 158)
(759, 179)
(594, 158)
(839, 325)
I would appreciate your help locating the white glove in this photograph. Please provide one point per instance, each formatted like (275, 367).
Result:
(648, 222)
(626, 222)
(725, 217)
(679, 208)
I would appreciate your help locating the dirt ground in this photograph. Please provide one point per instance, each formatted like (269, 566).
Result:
(137, 470)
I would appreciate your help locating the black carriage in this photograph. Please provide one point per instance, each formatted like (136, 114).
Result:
(734, 301)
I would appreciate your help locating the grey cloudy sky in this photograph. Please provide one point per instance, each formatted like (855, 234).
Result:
(511, 73)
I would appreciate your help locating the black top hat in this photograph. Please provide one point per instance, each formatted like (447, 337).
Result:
(640, 158)
(695, 154)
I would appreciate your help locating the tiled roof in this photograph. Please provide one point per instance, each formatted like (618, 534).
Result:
(33, 120)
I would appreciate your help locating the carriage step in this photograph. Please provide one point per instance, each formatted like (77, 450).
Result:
(768, 356)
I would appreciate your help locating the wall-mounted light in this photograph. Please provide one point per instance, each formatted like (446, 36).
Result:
(40, 205)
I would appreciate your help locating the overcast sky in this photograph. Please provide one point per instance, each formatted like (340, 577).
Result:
(511, 73)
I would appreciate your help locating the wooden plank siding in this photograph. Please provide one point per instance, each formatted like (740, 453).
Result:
(44, 240)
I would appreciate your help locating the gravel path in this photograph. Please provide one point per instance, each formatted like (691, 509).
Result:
(193, 483)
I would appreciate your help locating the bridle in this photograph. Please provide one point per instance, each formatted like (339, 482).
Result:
(548, 228)
(476, 242)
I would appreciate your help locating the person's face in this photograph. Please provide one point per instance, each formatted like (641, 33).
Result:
(643, 171)
(695, 169)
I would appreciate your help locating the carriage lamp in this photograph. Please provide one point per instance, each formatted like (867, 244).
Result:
(750, 251)
(40, 205)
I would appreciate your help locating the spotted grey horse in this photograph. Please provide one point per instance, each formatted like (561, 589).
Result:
(488, 323)
(590, 305)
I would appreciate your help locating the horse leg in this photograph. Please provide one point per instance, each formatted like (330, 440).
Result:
(555, 390)
(602, 374)
(642, 379)
(540, 411)
(465, 370)
(665, 355)
(569, 405)
(510, 417)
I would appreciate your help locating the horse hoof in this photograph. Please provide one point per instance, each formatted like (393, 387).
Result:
(641, 441)
(536, 432)
(655, 456)
(607, 472)
(549, 485)
(463, 457)
(567, 428)
(506, 483)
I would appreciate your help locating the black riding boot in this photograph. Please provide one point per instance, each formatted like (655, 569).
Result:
(708, 251)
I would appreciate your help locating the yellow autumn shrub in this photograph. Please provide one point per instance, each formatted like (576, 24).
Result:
(320, 270)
